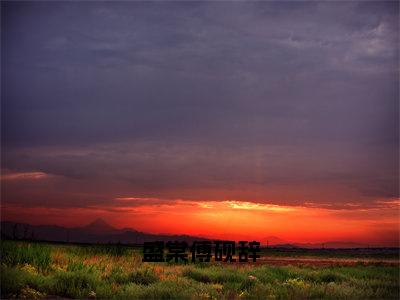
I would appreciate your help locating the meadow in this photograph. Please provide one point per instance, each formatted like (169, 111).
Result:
(45, 270)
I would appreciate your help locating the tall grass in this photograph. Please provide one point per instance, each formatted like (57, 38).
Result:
(76, 284)
(37, 255)
(107, 249)
(28, 271)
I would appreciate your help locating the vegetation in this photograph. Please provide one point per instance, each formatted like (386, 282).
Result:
(34, 270)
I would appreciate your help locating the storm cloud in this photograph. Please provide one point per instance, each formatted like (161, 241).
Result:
(281, 103)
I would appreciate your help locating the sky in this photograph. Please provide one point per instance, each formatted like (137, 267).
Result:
(220, 119)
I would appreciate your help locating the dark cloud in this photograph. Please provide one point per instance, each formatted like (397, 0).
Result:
(198, 100)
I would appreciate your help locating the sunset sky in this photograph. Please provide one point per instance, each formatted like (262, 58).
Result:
(218, 119)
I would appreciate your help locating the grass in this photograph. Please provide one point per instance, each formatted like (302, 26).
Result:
(34, 270)
(37, 255)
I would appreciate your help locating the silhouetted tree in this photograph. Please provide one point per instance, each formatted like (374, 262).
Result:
(15, 231)
(26, 228)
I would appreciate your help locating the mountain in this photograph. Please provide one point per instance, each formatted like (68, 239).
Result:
(99, 227)
(279, 243)
(97, 231)
(333, 245)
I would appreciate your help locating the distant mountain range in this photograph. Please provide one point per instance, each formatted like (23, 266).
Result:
(332, 244)
(277, 242)
(100, 231)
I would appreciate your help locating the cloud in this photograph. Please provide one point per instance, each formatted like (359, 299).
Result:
(284, 175)
(264, 102)
(7, 175)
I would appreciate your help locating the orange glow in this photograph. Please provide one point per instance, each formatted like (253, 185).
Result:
(231, 220)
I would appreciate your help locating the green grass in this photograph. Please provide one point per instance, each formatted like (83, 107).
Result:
(37, 255)
(34, 270)
(91, 250)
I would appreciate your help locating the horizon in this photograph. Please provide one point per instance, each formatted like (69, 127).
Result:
(219, 119)
(270, 240)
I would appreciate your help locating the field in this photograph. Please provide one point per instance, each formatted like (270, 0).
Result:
(44, 270)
